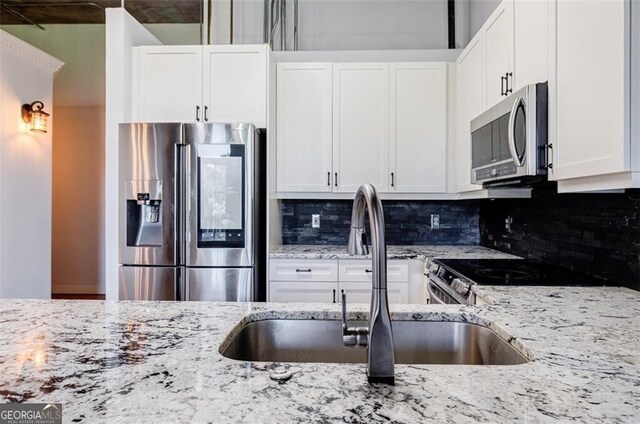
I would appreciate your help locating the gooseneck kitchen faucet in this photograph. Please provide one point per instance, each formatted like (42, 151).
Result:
(378, 337)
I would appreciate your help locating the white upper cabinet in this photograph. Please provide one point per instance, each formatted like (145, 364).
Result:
(201, 84)
(531, 41)
(304, 114)
(168, 83)
(418, 128)
(592, 102)
(344, 124)
(515, 42)
(235, 83)
(470, 95)
(499, 53)
(360, 125)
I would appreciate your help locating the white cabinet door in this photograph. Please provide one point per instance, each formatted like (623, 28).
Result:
(167, 84)
(499, 59)
(235, 83)
(304, 107)
(361, 292)
(470, 103)
(531, 35)
(303, 291)
(418, 128)
(592, 72)
(360, 125)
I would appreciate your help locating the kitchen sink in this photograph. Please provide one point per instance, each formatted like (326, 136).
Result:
(416, 342)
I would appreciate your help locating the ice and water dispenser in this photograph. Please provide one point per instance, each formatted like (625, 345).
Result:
(144, 214)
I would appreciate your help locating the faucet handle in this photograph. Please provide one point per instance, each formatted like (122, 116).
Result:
(352, 336)
(343, 302)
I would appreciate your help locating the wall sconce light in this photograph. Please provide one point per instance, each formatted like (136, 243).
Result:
(34, 115)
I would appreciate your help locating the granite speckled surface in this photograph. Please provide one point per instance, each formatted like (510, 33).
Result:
(393, 252)
(117, 362)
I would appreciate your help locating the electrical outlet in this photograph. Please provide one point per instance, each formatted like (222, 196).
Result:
(315, 221)
(507, 224)
(435, 221)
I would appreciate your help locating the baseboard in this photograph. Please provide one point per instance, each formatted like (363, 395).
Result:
(76, 289)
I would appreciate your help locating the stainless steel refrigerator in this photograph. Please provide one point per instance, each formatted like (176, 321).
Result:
(192, 212)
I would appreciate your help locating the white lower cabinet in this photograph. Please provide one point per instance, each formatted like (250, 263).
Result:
(322, 280)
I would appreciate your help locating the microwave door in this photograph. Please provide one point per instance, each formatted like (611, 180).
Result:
(219, 217)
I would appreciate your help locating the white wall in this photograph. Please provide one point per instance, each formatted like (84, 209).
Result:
(122, 33)
(342, 24)
(81, 47)
(26, 75)
(78, 153)
(479, 12)
(78, 200)
(175, 34)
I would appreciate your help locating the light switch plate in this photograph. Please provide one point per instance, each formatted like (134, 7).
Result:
(315, 221)
(435, 221)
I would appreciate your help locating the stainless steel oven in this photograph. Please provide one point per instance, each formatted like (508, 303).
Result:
(445, 286)
(509, 141)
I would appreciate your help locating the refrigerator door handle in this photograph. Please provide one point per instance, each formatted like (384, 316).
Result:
(178, 173)
(185, 205)
(180, 281)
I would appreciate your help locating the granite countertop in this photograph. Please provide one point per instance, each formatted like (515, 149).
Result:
(393, 252)
(122, 362)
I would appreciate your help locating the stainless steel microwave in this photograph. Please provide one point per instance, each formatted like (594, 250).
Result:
(509, 141)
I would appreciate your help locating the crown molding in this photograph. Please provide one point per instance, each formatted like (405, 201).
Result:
(14, 45)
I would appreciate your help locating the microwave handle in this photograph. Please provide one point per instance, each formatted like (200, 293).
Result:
(512, 139)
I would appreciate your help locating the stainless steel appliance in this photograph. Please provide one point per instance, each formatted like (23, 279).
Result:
(192, 212)
(509, 141)
(452, 281)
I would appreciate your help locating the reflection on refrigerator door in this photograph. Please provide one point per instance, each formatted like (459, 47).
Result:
(221, 218)
(148, 283)
(149, 186)
(220, 284)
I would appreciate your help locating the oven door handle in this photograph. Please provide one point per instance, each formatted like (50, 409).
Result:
(512, 126)
(432, 296)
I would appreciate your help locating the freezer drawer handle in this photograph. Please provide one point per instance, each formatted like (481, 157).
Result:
(303, 270)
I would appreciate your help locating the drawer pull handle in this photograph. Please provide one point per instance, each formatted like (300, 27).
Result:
(368, 270)
(303, 270)
(334, 296)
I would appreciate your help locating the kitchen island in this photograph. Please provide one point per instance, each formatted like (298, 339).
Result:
(122, 362)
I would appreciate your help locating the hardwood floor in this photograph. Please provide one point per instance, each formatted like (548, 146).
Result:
(77, 296)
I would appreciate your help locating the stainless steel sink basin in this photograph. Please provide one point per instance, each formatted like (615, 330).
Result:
(416, 342)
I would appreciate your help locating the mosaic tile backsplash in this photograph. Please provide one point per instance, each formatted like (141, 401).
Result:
(596, 234)
(406, 222)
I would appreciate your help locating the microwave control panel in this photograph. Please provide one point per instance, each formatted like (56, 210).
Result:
(501, 170)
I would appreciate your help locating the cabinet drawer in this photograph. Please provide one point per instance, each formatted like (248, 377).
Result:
(360, 292)
(360, 270)
(303, 270)
(303, 291)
